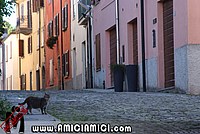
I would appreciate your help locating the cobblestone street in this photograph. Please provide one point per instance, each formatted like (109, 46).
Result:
(147, 113)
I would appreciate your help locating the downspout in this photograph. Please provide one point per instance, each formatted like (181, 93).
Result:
(90, 36)
(117, 30)
(18, 46)
(61, 56)
(39, 30)
(143, 45)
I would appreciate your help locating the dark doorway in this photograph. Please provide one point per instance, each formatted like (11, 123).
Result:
(113, 51)
(168, 43)
(31, 79)
(43, 78)
(38, 80)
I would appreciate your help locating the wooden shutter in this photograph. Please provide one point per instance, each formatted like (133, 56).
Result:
(63, 64)
(98, 52)
(51, 28)
(57, 24)
(21, 48)
(34, 6)
(63, 18)
(29, 45)
(67, 64)
(66, 16)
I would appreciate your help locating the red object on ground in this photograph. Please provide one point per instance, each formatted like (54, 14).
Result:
(15, 116)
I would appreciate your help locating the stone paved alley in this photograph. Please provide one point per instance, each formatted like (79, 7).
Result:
(147, 113)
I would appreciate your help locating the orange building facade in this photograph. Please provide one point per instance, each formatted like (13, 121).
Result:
(57, 48)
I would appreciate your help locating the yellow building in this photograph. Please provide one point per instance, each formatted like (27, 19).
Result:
(30, 29)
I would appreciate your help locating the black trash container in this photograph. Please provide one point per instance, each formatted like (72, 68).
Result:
(132, 77)
(118, 79)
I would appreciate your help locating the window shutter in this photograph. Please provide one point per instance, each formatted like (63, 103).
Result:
(63, 63)
(66, 16)
(51, 28)
(63, 18)
(67, 64)
(98, 52)
(57, 25)
(29, 45)
(34, 6)
(21, 48)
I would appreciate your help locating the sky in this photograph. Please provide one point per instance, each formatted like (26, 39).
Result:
(12, 18)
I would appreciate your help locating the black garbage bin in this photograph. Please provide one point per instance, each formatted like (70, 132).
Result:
(132, 77)
(118, 79)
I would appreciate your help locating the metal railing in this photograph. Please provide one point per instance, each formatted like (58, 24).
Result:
(24, 22)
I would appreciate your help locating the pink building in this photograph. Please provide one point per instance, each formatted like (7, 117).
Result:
(172, 49)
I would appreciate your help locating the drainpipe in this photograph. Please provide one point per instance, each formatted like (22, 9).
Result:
(39, 30)
(61, 55)
(143, 45)
(18, 46)
(117, 30)
(90, 36)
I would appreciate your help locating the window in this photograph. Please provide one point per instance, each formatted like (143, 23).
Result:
(98, 52)
(65, 17)
(42, 38)
(29, 14)
(36, 5)
(22, 13)
(50, 29)
(23, 82)
(10, 49)
(123, 53)
(6, 53)
(56, 25)
(82, 10)
(66, 63)
(30, 45)
(154, 38)
(21, 48)
(74, 10)
(51, 72)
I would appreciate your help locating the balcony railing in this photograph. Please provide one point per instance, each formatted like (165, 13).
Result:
(24, 24)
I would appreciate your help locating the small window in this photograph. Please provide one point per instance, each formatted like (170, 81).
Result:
(10, 49)
(6, 53)
(65, 17)
(50, 29)
(30, 45)
(56, 25)
(51, 72)
(154, 38)
(21, 48)
(98, 52)
(66, 64)
(123, 53)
